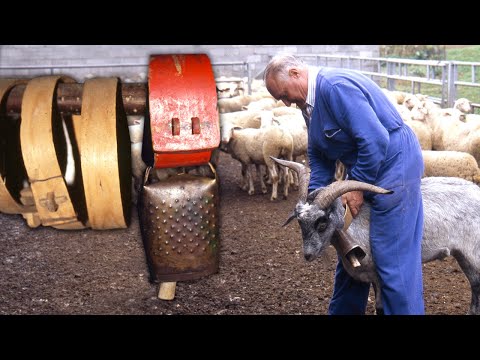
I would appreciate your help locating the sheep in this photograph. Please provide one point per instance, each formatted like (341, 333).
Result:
(256, 146)
(464, 105)
(473, 120)
(423, 133)
(229, 87)
(284, 110)
(295, 124)
(404, 112)
(412, 100)
(262, 104)
(242, 119)
(226, 105)
(451, 224)
(258, 86)
(451, 164)
(236, 103)
(395, 97)
(419, 127)
(449, 132)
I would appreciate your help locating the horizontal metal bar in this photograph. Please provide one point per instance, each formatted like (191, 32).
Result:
(230, 63)
(466, 63)
(66, 66)
(69, 98)
(391, 60)
(405, 61)
(404, 78)
(79, 66)
(466, 83)
(323, 56)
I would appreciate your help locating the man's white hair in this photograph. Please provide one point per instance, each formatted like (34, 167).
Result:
(280, 64)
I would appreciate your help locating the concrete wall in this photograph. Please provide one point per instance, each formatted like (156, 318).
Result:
(122, 56)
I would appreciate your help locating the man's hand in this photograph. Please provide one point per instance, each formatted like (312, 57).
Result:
(354, 199)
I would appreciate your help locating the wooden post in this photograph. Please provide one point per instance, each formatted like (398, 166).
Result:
(167, 290)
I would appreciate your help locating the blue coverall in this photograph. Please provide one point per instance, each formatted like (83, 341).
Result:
(355, 122)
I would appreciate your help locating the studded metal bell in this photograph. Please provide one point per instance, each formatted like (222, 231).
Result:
(179, 224)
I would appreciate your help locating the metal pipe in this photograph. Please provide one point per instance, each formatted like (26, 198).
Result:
(69, 98)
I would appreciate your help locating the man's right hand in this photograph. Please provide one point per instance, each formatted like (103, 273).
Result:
(354, 200)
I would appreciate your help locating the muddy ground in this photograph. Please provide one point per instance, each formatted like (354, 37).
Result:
(261, 271)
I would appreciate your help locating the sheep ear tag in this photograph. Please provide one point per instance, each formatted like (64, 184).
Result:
(347, 218)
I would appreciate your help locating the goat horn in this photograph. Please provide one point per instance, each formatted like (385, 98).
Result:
(303, 175)
(290, 218)
(327, 196)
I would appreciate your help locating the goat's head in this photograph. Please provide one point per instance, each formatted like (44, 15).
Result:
(319, 213)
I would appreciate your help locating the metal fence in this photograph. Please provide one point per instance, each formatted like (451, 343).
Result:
(441, 74)
(247, 73)
(444, 74)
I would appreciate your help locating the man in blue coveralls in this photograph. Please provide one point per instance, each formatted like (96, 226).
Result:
(349, 118)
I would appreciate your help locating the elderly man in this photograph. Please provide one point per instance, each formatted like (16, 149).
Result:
(349, 118)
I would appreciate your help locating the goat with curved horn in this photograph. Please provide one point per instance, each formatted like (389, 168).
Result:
(320, 215)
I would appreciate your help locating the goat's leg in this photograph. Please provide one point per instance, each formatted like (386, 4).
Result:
(470, 265)
(378, 299)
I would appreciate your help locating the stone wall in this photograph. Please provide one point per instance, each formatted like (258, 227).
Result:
(130, 61)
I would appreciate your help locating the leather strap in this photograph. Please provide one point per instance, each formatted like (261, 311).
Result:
(347, 217)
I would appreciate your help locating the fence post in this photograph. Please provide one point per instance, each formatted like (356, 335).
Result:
(451, 84)
(249, 76)
(444, 87)
(390, 82)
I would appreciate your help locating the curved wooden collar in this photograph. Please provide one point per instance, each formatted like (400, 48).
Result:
(8, 204)
(105, 155)
(49, 189)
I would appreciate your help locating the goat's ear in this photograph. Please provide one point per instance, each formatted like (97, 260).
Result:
(290, 218)
(311, 197)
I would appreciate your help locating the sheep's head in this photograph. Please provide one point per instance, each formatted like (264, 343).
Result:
(320, 213)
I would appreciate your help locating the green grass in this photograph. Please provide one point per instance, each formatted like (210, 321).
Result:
(468, 53)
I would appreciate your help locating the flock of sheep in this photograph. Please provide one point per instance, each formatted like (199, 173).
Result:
(262, 128)
(449, 137)
(255, 127)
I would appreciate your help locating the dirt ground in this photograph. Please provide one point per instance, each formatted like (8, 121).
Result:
(262, 270)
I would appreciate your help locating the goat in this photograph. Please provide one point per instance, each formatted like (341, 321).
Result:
(451, 224)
